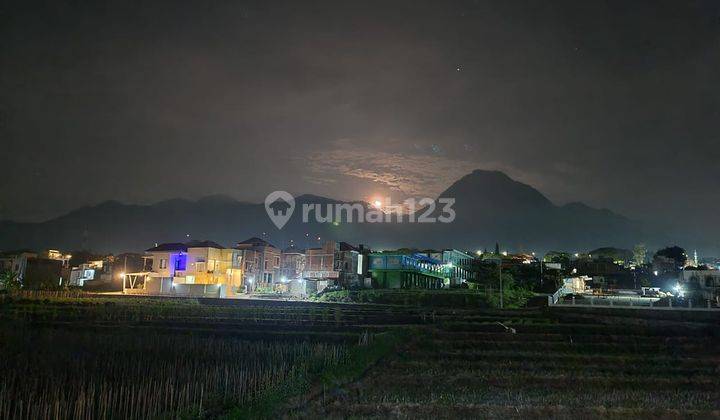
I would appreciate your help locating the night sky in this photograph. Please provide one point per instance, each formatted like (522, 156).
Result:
(613, 103)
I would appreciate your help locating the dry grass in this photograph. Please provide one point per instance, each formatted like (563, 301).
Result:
(132, 374)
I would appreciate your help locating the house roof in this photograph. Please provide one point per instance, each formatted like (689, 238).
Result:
(171, 246)
(204, 244)
(177, 246)
(344, 246)
(255, 241)
(292, 250)
(16, 252)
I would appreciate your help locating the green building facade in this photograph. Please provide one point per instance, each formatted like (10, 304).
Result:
(407, 271)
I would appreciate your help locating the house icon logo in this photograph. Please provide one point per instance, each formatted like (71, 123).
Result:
(279, 206)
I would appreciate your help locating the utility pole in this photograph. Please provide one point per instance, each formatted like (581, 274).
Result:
(501, 284)
(635, 279)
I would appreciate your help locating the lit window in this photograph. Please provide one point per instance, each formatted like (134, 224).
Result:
(181, 262)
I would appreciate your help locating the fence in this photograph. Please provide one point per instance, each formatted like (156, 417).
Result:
(555, 297)
(628, 302)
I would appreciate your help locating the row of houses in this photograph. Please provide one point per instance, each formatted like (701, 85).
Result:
(52, 268)
(253, 265)
(206, 268)
(37, 269)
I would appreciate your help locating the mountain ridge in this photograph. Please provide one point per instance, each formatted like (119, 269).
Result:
(490, 207)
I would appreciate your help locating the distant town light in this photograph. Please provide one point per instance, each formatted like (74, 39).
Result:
(479, 252)
(504, 253)
(655, 272)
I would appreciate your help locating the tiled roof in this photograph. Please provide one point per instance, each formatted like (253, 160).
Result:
(204, 244)
(171, 246)
(255, 241)
(177, 246)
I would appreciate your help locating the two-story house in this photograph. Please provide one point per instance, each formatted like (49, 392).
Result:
(262, 265)
(192, 268)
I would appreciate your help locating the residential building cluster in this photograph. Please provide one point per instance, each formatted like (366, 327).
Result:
(205, 268)
(255, 265)
(51, 268)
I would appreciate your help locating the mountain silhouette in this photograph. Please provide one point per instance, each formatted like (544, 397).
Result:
(490, 207)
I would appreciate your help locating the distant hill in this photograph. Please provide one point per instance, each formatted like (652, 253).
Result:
(490, 206)
(493, 207)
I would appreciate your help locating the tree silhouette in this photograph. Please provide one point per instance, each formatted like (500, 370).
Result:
(674, 253)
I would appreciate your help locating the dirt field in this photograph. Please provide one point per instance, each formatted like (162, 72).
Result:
(540, 366)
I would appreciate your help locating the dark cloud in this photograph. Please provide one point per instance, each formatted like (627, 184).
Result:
(613, 103)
